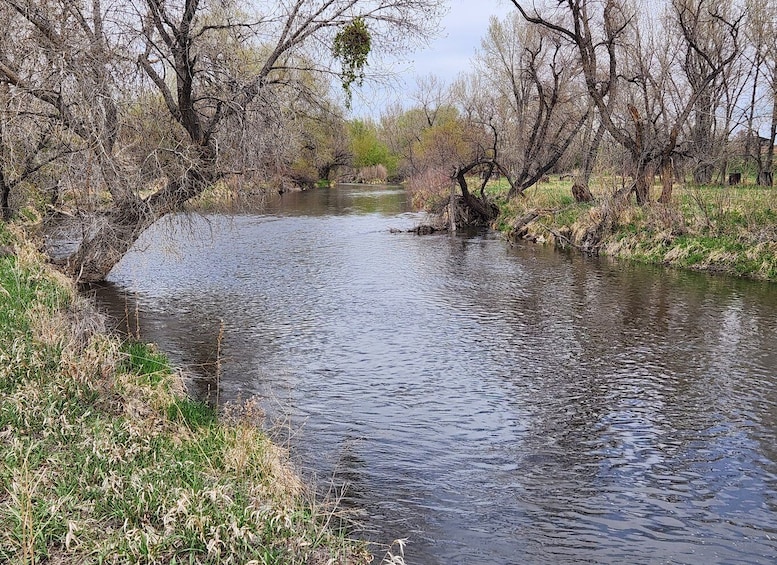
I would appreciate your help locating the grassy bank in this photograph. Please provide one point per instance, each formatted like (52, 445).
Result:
(103, 459)
(731, 230)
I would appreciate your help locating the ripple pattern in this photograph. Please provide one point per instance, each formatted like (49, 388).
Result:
(492, 404)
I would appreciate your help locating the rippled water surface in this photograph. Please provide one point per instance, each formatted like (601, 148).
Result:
(491, 404)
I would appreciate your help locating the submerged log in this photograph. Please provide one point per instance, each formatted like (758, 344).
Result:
(425, 229)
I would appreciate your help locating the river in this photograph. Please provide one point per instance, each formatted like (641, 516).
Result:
(492, 404)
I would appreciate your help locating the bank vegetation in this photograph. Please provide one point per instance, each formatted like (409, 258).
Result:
(116, 114)
(104, 459)
(635, 129)
(714, 229)
(638, 130)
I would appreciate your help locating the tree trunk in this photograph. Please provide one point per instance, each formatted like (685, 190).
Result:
(751, 134)
(642, 182)
(703, 173)
(667, 180)
(114, 233)
(105, 244)
(580, 189)
(701, 137)
(5, 188)
(723, 172)
(452, 209)
(643, 170)
(5, 196)
(485, 212)
(769, 165)
(761, 175)
(581, 192)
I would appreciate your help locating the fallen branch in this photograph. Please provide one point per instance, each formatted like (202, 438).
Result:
(521, 226)
(568, 241)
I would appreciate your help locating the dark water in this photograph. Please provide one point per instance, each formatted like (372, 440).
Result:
(491, 404)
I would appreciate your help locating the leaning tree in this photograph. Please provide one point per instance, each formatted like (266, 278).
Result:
(165, 98)
(530, 100)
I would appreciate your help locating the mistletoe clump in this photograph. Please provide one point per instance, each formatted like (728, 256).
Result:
(352, 46)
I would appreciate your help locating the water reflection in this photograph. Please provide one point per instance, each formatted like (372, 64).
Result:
(492, 404)
(385, 200)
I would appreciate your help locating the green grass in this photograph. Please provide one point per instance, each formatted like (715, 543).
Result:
(103, 459)
(192, 413)
(729, 230)
(142, 359)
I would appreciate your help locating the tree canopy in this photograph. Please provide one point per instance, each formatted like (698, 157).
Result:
(154, 101)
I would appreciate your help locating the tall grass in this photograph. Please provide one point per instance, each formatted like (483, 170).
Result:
(103, 459)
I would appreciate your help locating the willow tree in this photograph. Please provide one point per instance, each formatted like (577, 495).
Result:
(165, 98)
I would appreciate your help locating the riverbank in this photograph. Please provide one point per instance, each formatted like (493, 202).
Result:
(726, 230)
(104, 459)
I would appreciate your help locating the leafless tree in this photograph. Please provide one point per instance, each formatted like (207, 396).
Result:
(626, 75)
(537, 106)
(707, 61)
(762, 104)
(211, 82)
(31, 152)
(403, 129)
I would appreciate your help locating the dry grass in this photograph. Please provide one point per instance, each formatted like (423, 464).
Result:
(722, 229)
(104, 460)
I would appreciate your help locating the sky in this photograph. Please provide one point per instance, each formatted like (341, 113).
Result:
(462, 29)
(448, 55)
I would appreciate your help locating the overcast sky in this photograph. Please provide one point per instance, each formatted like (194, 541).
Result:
(463, 28)
(461, 31)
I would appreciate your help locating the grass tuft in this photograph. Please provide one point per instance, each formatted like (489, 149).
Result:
(144, 360)
(192, 413)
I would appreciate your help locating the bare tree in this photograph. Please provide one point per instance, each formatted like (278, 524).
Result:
(626, 76)
(515, 115)
(223, 75)
(537, 108)
(400, 129)
(706, 65)
(40, 64)
(406, 131)
(30, 145)
(731, 114)
(762, 111)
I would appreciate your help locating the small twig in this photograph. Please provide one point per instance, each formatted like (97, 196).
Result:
(218, 361)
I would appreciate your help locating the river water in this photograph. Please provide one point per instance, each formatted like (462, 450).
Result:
(490, 403)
